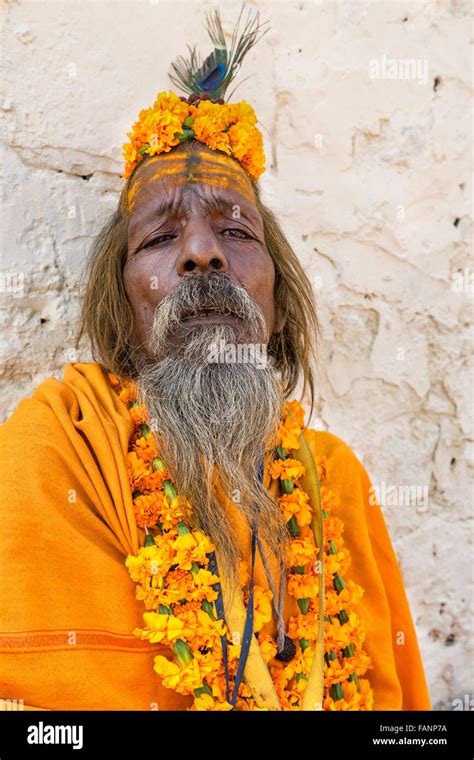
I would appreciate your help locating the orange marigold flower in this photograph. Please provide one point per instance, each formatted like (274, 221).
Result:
(304, 626)
(330, 499)
(137, 469)
(296, 503)
(152, 482)
(335, 563)
(286, 469)
(333, 528)
(303, 586)
(288, 435)
(192, 547)
(268, 646)
(147, 509)
(145, 448)
(138, 414)
(301, 551)
(296, 410)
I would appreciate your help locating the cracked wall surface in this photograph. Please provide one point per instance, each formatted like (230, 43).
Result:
(370, 177)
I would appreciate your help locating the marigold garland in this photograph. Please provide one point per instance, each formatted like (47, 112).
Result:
(176, 586)
(226, 127)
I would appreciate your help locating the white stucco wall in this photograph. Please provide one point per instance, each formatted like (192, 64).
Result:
(370, 177)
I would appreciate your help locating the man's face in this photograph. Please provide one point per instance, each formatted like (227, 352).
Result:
(194, 214)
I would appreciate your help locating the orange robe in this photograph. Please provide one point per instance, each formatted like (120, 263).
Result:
(67, 603)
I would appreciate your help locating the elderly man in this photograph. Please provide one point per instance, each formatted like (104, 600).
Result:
(176, 537)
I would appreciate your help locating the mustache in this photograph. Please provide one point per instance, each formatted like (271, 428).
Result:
(197, 295)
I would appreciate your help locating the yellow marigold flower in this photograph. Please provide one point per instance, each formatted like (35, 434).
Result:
(182, 679)
(296, 503)
(286, 469)
(262, 608)
(303, 586)
(203, 581)
(208, 703)
(150, 561)
(167, 628)
(172, 513)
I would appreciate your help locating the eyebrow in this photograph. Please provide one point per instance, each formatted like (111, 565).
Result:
(212, 205)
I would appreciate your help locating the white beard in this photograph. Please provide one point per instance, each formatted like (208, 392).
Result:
(215, 417)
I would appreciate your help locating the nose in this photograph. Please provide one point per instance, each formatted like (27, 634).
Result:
(201, 251)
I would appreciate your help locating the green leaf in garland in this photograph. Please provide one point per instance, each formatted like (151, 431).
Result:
(186, 134)
(339, 584)
(336, 691)
(303, 604)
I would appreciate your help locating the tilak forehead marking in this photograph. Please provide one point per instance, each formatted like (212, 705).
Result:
(194, 167)
(216, 179)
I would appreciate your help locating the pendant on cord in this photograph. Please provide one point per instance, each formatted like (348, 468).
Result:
(288, 652)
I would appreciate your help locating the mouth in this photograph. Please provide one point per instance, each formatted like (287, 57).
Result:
(210, 315)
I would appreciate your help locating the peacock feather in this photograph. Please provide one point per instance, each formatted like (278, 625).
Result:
(220, 67)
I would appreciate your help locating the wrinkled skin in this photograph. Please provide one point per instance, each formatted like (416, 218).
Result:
(210, 224)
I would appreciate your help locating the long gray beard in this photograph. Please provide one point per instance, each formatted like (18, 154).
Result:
(216, 418)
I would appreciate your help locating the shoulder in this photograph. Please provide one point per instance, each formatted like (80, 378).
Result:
(53, 400)
(326, 444)
(343, 467)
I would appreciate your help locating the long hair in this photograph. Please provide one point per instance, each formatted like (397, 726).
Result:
(107, 317)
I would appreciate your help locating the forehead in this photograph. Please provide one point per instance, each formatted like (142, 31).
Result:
(177, 170)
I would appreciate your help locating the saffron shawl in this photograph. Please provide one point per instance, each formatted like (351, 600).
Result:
(67, 604)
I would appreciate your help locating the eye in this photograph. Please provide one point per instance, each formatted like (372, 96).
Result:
(240, 233)
(158, 239)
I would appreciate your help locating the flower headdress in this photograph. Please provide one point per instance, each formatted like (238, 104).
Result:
(203, 115)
